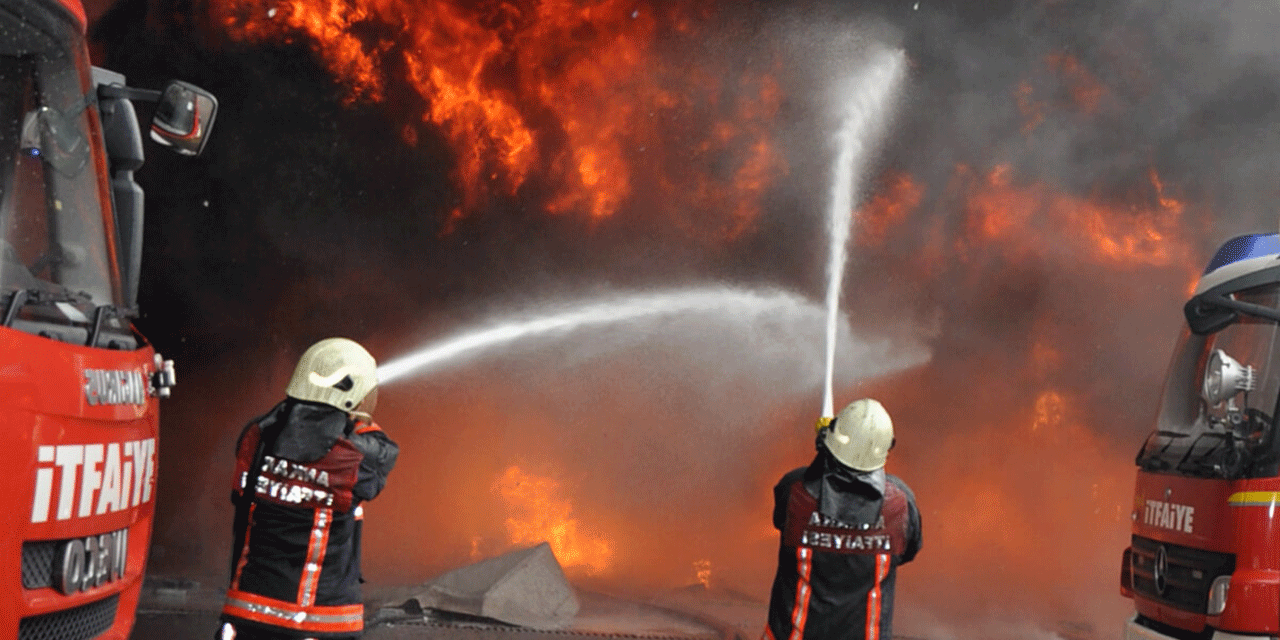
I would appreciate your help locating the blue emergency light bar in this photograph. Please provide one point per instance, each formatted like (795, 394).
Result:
(1256, 245)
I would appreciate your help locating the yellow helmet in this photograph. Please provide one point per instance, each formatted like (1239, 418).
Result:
(861, 435)
(335, 371)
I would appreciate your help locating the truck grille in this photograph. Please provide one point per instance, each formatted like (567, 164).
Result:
(81, 623)
(37, 563)
(1185, 576)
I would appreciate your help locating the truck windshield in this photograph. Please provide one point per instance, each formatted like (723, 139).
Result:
(57, 263)
(1217, 416)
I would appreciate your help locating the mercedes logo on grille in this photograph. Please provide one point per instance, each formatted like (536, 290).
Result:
(1160, 572)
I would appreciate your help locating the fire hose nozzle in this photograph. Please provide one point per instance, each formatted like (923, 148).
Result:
(823, 421)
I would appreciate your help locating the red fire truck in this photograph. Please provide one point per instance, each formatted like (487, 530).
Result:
(1204, 558)
(79, 387)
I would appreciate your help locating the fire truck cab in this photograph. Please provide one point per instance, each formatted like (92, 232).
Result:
(1204, 557)
(79, 386)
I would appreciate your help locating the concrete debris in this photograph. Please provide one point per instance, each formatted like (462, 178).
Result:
(526, 587)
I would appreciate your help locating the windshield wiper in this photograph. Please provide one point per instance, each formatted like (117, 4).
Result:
(1222, 437)
(16, 301)
(1230, 464)
(1152, 461)
(101, 313)
(23, 297)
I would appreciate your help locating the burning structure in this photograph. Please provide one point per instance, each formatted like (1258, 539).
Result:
(1054, 175)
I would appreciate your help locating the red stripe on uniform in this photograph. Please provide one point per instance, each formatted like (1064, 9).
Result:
(874, 604)
(804, 565)
(768, 632)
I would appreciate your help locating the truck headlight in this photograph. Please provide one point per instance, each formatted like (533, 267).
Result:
(1218, 595)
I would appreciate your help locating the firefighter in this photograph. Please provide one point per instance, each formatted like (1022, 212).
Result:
(302, 472)
(846, 526)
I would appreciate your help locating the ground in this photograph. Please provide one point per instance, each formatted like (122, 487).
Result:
(187, 610)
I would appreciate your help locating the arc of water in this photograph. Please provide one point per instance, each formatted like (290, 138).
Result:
(597, 313)
(865, 118)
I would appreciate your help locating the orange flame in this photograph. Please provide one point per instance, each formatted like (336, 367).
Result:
(538, 515)
(702, 569)
(575, 92)
(1000, 209)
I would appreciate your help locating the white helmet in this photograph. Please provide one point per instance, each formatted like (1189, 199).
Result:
(862, 435)
(335, 371)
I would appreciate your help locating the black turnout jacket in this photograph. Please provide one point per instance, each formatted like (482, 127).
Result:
(844, 534)
(302, 471)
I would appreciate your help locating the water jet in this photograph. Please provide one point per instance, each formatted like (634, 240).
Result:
(863, 120)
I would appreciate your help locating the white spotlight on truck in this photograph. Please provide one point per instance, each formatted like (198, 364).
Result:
(1224, 377)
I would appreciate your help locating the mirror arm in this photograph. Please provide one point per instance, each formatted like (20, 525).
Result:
(1249, 308)
(129, 93)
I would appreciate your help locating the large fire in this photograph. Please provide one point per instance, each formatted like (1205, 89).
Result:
(575, 92)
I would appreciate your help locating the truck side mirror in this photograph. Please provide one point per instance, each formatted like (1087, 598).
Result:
(184, 117)
(1205, 318)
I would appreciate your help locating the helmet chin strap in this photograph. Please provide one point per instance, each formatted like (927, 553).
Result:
(361, 414)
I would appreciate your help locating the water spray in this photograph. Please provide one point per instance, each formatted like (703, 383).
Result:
(602, 312)
(864, 118)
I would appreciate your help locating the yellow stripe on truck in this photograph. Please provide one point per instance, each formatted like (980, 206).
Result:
(1254, 499)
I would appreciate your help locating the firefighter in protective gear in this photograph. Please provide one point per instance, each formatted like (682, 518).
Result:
(846, 526)
(302, 471)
